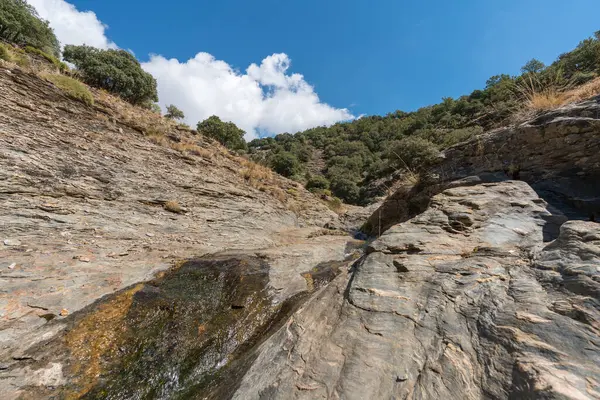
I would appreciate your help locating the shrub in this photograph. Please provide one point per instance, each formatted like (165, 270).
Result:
(174, 112)
(226, 133)
(71, 87)
(4, 53)
(116, 71)
(317, 182)
(20, 24)
(285, 163)
(412, 153)
(346, 189)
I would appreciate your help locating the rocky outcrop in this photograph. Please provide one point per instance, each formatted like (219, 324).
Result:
(95, 200)
(555, 152)
(462, 301)
(143, 265)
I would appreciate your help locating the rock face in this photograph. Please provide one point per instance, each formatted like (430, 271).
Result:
(462, 301)
(93, 202)
(143, 265)
(556, 153)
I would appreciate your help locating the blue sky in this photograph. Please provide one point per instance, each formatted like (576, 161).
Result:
(371, 57)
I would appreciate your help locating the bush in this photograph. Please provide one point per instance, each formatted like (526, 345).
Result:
(412, 153)
(317, 182)
(116, 71)
(174, 112)
(346, 189)
(286, 164)
(71, 87)
(226, 133)
(20, 24)
(4, 53)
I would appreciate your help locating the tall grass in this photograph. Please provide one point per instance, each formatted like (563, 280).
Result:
(71, 87)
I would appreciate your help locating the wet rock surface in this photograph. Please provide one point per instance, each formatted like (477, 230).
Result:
(438, 312)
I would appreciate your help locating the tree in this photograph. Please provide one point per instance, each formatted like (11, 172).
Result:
(174, 112)
(226, 133)
(317, 182)
(346, 189)
(116, 71)
(533, 66)
(413, 153)
(286, 164)
(21, 24)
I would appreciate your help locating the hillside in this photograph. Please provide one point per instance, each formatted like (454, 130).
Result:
(360, 160)
(143, 259)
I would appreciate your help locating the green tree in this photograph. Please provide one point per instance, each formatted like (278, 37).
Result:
(226, 133)
(346, 189)
(413, 153)
(116, 71)
(317, 182)
(20, 24)
(285, 163)
(174, 112)
(533, 66)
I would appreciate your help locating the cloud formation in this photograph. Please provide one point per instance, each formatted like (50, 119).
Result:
(72, 26)
(264, 99)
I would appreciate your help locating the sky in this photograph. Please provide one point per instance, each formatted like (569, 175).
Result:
(274, 66)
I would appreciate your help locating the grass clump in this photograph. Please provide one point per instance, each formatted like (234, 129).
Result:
(61, 66)
(173, 207)
(4, 53)
(71, 87)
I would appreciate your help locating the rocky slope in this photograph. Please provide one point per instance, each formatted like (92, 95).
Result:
(93, 201)
(556, 153)
(477, 288)
(462, 301)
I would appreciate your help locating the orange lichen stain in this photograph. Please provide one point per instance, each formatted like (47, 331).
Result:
(310, 283)
(201, 329)
(95, 336)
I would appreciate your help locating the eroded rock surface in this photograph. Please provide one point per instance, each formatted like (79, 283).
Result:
(90, 206)
(555, 152)
(450, 304)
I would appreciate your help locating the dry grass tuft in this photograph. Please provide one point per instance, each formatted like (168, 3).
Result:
(583, 92)
(173, 207)
(546, 100)
(255, 173)
(277, 193)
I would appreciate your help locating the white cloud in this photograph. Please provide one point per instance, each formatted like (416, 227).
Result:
(72, 26)
(266, 98)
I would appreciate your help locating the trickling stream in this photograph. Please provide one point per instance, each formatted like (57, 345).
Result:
(190, 333)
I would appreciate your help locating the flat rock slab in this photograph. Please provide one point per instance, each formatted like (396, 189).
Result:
(432, 312)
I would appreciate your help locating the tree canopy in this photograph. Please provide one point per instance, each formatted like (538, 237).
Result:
(20, 24)
(226, 133)
(174, 112)
(116, 71)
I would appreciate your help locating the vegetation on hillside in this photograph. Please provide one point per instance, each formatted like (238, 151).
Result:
(226, 133)
(21, 25)
(350, 157)
(350, 160)
(71, 87)
(174, 113)
(116, 71)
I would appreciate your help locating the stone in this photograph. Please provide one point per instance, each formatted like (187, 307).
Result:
(12, 242)
(453, 318)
